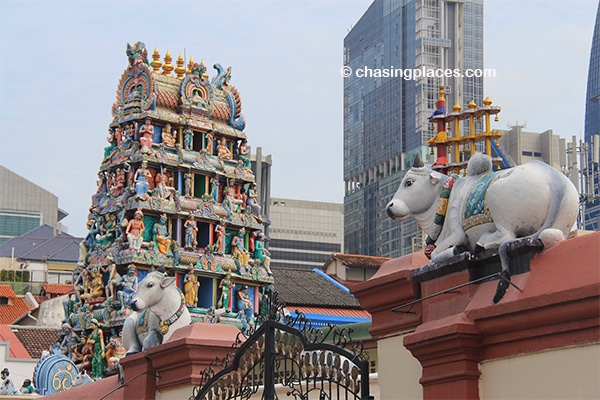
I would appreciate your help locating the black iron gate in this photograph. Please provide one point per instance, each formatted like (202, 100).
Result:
(292, 358)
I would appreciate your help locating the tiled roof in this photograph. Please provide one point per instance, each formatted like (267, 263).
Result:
(67, 248)
(58, 288)
(15, 308)
(16, 349)
(357, 260)
(41, 244)
(307, 288)
(36, 339)
(7, 291)
(43, 232)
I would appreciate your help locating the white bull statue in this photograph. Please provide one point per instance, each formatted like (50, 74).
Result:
(486, 209)
(159, 310)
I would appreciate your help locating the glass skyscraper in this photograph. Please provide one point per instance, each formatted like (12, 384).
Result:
(592, 122)
(386, 111)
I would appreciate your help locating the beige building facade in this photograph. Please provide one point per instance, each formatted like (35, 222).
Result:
(522, 146)
(303, 234)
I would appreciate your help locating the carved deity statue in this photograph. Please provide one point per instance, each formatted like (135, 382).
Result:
(135, 231)
(169, 136)
(146, 136)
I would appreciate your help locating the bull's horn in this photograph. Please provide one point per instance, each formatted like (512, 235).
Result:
(418, 161)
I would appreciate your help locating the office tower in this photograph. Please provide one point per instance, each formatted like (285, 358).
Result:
(386, 112)
(592, 127)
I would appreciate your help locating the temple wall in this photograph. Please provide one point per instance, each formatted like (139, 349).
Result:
(567, 373)
(183, 392)
(399, 371)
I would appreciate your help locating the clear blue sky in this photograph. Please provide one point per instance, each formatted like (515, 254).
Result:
(62, 60)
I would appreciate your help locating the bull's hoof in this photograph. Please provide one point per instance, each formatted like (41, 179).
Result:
(502, 286)
(478, 249)
(460, 249)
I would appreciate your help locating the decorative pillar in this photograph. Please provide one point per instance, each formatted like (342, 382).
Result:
(449, 354)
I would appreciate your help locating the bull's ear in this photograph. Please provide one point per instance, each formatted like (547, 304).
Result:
(167, 281)
(435, 177)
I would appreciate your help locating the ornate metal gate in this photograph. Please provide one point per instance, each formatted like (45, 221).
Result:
(292, 358)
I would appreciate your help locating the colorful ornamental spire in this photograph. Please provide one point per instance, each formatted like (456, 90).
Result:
(175, 194)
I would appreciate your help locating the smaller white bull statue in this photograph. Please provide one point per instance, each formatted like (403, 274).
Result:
(159, 310)
(486, 209)
(82, 379)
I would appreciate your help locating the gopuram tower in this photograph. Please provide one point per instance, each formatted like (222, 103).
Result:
(175, 193)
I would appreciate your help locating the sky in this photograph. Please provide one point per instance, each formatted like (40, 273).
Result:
(61, 62)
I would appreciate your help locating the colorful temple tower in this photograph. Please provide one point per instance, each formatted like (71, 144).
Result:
(175, 193)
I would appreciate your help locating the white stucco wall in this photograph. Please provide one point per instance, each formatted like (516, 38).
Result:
(19, 368)
(399, 371)
(567, 373)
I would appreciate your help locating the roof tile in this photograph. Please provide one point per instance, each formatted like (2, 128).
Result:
(15, 308)
(36, 339)
(58, 288)
(314, 289)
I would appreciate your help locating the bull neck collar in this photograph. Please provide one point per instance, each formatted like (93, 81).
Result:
(166, 323)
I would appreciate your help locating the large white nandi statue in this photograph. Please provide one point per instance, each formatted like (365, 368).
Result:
(159, 310)
(486, 208)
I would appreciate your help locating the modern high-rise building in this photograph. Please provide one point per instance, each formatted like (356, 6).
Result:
(396, 57)
(592, 127)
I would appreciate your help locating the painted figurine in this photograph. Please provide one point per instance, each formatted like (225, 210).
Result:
(190, 288)
(190, 232)
(252, 203)
(223, 151)
(225, 286)
(161, 236)
(142, 179)
(244, 306)
(96, 338)
(135, 231)
(187, 184)
(244, 153)
(146, 136)
(220, 241)
(164, 189)
(239, 252)
(209, 142)
(114, 279)
(261, 253)
(129, 285)
(169, 137)
(188, 138)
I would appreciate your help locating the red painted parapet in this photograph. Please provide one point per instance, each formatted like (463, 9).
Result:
(456, 326)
